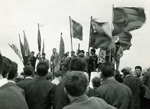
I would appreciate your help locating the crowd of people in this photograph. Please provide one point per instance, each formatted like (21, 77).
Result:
(68, 86)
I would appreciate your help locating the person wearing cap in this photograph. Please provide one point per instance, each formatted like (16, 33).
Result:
(134, 84)
(28, 73)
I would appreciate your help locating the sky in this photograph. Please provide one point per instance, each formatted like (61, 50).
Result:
(53, 15)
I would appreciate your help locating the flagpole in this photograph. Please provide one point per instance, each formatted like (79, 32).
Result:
(90, 35)
(71, 33)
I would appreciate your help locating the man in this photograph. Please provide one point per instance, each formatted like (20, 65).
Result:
(32, 59)
(146, 83)
(75, 87)
(28, 73)
(43, 59)
(113, 92)
(40, 92)
(61, 99)
(138, 71)
(117, 54)
(54, 60)
(10, 96)
(134, 84)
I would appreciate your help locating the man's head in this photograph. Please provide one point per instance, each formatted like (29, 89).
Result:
(42, 69)
(72, 53)
(43, 55)
(107, 69)
(58, 74)
(126, 71)
(96, 82)
(81, 53)
(76, 83)
(32, 53)
(138, 71)
(93, 51)
(13, 71)
(54, 50)
(117, 44)
(28, 70)
(77, 64)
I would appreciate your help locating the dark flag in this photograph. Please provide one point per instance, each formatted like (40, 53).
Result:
(43, 49)
(39, 39)
(100, 35)
(26, 46)
(77, 30)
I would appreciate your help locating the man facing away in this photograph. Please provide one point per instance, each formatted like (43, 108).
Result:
(75, 87)
(113, 92)
(40, 92)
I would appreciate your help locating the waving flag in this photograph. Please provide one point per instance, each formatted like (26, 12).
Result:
(22, 49)
(16, 50)
(100, 35)
(77, 30)
(26, 46)
(39, 39)
(128, 19)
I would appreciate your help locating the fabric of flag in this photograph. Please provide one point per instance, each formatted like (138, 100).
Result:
(26, 46)
(125, 40)
(43, 49)
(128, 19)
(101, 35)
(61, 54)
(22, 50)
(39, 39)
(77, 30)
(16, 50)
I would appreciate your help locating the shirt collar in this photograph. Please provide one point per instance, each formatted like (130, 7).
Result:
(11, 81)
(3, 81)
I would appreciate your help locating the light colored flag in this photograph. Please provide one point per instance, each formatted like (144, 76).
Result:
(101, 35)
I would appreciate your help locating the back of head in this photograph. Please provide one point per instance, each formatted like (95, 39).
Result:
(126, 70)
(77, 64)
(6, 66)
(28, 70)
(13, 71)
(58, 74)
(76, 83)
(42, 69)
(96, 82)
(107, 69)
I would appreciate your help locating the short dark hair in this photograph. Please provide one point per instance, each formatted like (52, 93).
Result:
(43, 54)
(13, 71)
(117, 43)
(76, 83)
(42, 69)
(58, 73)
(93, 50)
(96, 82)
(28, 70)
(107, 69)
(32, 51)
(138, 67)
(6, 66)
(78, 64)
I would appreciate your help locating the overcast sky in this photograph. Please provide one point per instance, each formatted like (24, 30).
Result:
(19, 15)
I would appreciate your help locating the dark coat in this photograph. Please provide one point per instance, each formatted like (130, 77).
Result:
(40, 93)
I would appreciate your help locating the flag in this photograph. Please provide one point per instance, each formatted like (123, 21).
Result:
(77, 30)
(16, 50)
(26, 46)
(125, 40)
(128, 19)
(39, 39)
(43, 49)
(101, 35)
(22, 49)
(61, 54)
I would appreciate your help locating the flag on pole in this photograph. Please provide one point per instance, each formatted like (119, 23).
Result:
(26, 46)
(61, 53)
(128, 18)
(125, 40)
(101, 35)
(43, 49)
(16, 50)
(39, 39)
(76, 30)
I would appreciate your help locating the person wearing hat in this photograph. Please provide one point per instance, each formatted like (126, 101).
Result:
(134, 84)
